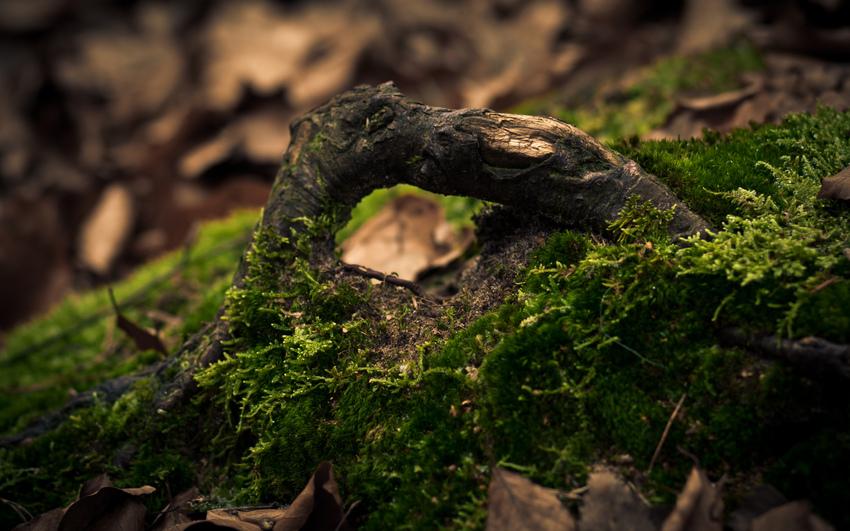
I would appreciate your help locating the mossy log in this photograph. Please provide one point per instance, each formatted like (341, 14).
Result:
(374, 137)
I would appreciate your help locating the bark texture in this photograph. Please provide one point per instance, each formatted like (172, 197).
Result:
(375, 137)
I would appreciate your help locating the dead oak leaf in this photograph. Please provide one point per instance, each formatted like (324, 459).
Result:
(135, 71)
(516, 504)
(311, 52)
(794, 516)
(611, 505)
(317, 508)
(406, 237)
(143, 339)
(100, 507)
(699, 506)
(836, 186)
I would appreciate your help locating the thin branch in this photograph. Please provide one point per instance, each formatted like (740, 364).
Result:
(394, 280)
(665, 433)
(814, 356)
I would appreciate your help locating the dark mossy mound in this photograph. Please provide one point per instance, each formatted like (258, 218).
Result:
(562, 349)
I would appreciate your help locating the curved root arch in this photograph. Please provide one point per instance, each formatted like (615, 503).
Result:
(375, 137)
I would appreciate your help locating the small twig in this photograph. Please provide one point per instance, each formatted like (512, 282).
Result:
(383, 277)
(817, 357)
(665, 433)
(351, 507)
(19, 509)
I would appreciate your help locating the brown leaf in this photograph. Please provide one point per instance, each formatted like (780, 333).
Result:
(143, 339)
(318, 507)
(710, 24)
(136, 71)
(312, 51)
(699, 506)
(48, 521)
(611, 505)
(100, 507)
(261, 137)
(107, 228)
(757, 502)
(406, 237)
(255, 519)
(837, 186)
(177, 511)
(794, 516)
(516, 504)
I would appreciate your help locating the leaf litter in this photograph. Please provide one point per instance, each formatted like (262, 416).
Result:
(610, 504)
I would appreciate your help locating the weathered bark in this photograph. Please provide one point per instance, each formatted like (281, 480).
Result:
(374, 137)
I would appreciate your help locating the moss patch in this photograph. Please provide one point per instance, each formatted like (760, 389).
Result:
(77, 344)
(583, 363)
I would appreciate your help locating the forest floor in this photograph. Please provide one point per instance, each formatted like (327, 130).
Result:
(553, 353)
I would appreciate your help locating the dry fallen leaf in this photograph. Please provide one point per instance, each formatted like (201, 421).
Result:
(611, 505)
(516, 504)
(106, 229)
(710, 24)
(177, 511)
(836, 186)
(794, 516)
(311, 52)
(136, 71)
(318, 507)
(408, 236)
(100, 507)
(758, 501)
(143, 339)
(699, 506)
(261, 137)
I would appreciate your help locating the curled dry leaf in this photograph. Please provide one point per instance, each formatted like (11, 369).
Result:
(408, 236)
(312, 52)
(261, 136)
(143, 339)
(318, 507)
(836, 186)
(794, 516)
(136, 71)
(699, 506)
(516, 504)
(100, 507)
(610, 505)
(177, 511)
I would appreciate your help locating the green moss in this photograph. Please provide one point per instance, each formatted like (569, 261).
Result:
(77, 344)
(584, 363)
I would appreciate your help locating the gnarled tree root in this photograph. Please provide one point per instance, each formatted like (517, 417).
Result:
(375, 137)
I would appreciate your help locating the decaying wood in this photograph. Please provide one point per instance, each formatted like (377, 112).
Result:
(374, 137)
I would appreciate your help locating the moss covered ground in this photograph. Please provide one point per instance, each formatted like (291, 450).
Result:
(583, 363)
